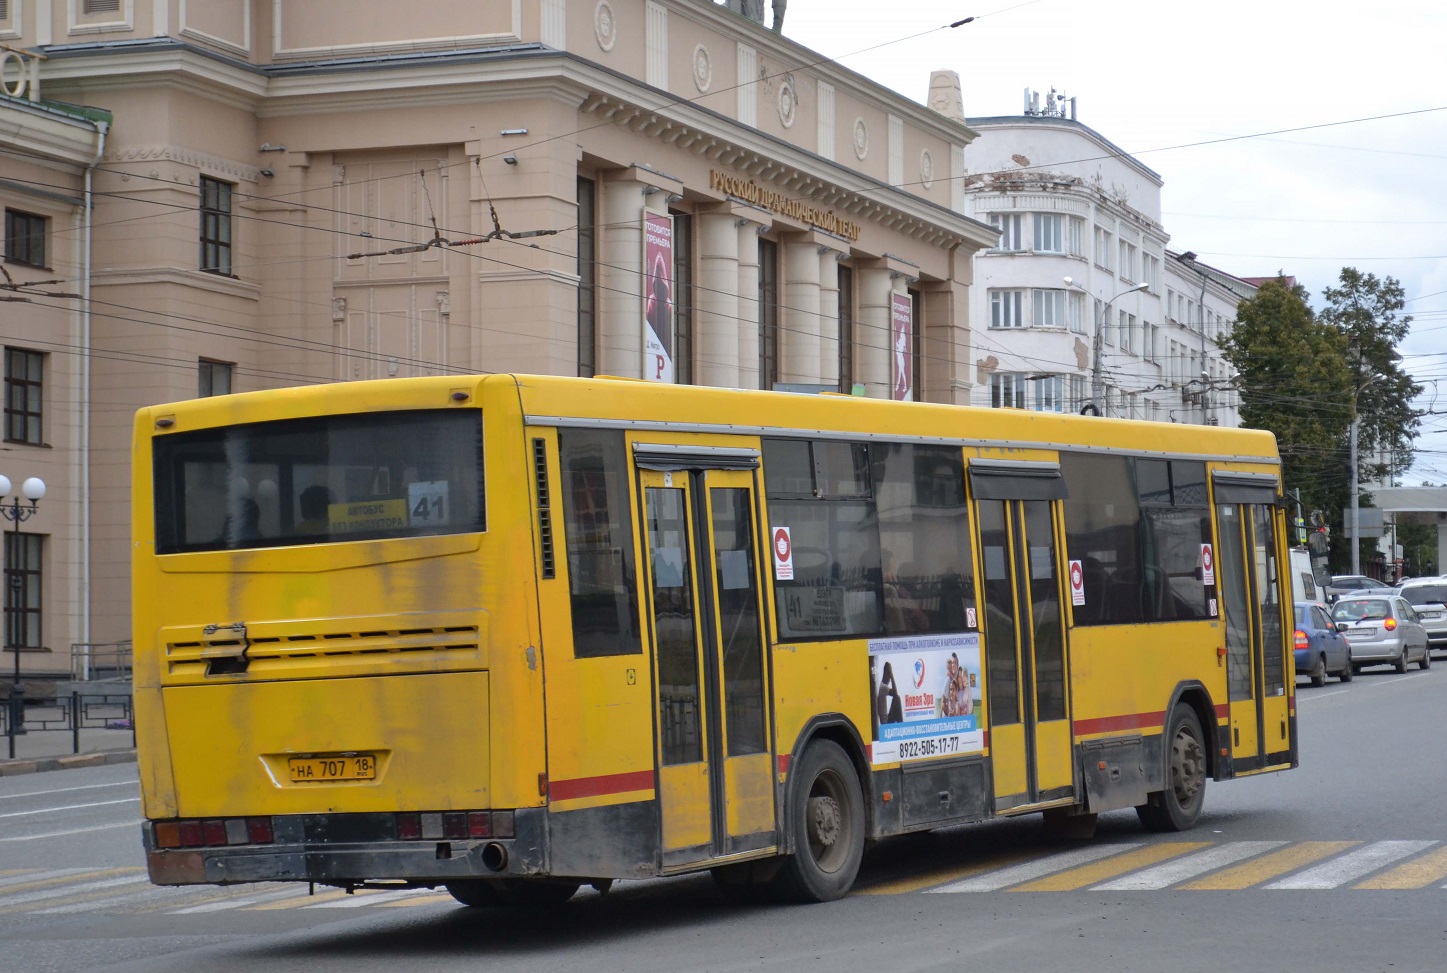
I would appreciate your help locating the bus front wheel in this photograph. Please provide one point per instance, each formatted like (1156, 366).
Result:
(828, 827)
(515, 892)
(1179, 806)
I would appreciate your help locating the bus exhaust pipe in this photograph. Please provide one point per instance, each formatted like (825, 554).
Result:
(494, 856)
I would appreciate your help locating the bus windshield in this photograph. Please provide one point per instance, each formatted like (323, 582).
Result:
(318, 480)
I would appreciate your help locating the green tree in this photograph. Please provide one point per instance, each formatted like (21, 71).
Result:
(1294, 379)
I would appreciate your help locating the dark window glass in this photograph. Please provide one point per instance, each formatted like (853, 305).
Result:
(738, 610)
(676, 627)
(215, 226)
(587, 277)
(596, 512)
(1047, 635)
(308, 481)
(1264, 533)
(846, 329)
(768, 314)
(22, 589)
(24, 238)
(1427, 594)
(1002, 665)
(1235, 606)
(213, 378)
(24, 385)
(683, 298)
(924, 531)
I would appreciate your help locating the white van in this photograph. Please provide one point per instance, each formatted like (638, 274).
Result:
(1303, 579)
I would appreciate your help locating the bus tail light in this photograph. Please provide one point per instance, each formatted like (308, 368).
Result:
(1390, 624)
(212, 833)
(409, 826)
(1301, 639)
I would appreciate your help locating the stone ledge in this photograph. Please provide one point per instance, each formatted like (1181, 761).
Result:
(14, 768)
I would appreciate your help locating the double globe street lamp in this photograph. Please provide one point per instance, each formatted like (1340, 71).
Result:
(17, 513)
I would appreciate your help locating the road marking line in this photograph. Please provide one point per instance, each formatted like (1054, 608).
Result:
(1415, 874)
(70, 807)
(1078, 878)
(230, 900)
(365, 897)
(58, 879)
(1168, 874)
(68, 790)
(291, 901)
(61, 834)
(1343, 869)
(92, 903)
(9, 902)
(940, 876)
(1014, 875)
(1269, 866)
(432, 898)
(31, 878)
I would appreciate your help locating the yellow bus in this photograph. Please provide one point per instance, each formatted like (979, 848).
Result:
(509, 635)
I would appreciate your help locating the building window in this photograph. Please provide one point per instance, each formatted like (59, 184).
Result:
(1049, 393)
(213, 378)
(1008, 390)
(1009, 226)
(587, 277)
(1079, 396)
(1075, 311)
(215, 226)
(1048, 308)
(24, 374)
(1075, 236)
(1007, 309)
(1129, 335)
(22, 589)
(24, 238)
(1151, 272)
(1104, 242)
(846, 329)
(683, 298)
(768, 314)
(1049, 233)
(1107, 333)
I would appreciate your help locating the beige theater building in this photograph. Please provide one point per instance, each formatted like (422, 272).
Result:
(300, 191)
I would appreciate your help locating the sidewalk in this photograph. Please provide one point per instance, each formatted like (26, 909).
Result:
(41, 750)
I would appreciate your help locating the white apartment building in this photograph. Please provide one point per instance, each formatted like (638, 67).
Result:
(1081, 301)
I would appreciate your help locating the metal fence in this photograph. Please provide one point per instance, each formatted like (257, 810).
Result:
(90, 661)
(72, 714)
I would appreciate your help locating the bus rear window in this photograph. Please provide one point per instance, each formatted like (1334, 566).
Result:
(319, 480)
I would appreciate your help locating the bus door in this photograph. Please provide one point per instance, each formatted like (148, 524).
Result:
(1028, 703)
(1250, 590)
(715, 772)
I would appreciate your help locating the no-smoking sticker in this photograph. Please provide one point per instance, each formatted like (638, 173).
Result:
(1077, 584)
(783, 555)
(1208, 565)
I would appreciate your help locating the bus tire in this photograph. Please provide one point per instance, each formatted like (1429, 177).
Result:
(827, 822)
(511, 892)
(1178, 807)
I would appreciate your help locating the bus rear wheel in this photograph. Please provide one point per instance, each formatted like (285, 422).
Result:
(1178, 807)
(828, 826)
(513, 892)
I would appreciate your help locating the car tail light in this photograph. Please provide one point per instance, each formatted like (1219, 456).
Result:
(1390, 624)
(1301, 639)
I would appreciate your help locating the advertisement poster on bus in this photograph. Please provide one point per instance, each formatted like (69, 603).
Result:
(657, 297)
(928, 693)
(901, 332)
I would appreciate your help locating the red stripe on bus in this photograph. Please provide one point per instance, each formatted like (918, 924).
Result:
(567, 790)
(1133, 721)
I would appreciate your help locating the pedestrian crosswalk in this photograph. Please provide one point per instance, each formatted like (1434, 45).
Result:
(1115, 866)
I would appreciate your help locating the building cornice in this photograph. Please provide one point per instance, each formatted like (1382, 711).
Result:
(1109, 149)
(32, 129)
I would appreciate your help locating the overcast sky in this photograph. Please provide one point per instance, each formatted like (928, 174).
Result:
(1358, 184)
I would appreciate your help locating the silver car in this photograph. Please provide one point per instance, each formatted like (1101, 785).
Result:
(1428, 598)
(1382, 630)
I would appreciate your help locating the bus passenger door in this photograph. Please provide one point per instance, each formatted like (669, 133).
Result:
(716, 786)
(1028, 705)
(1255, 663)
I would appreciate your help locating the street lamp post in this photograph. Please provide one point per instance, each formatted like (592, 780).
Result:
(17, 513)
(1097, 382)
(1356, 487)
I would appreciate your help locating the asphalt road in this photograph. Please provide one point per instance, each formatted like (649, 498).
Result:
(1340, 865)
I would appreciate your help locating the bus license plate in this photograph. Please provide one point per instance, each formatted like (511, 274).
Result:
(321, 770)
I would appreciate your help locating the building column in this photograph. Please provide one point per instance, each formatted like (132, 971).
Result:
(620, 279)
(876, 286)
(799, 326)
(748, 318)
(829, 315)
(718, 319)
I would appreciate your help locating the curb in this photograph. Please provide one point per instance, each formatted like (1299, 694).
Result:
(14, 768)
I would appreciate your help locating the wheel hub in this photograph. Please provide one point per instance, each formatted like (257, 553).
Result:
(1188, 767)
(824, 819)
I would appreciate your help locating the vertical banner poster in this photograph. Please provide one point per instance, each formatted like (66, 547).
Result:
(657, 297)
(901, 341)
(928, 693)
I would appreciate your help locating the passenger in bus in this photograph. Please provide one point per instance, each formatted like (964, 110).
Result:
(245, 527)
(314, 502)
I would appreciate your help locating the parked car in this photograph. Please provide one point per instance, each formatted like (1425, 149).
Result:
(1320, 648)
(1382, 630)
(1343, 583)
(1428, 597)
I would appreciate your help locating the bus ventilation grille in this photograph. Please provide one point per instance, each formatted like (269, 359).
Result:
(333, 644)
(545, 512)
